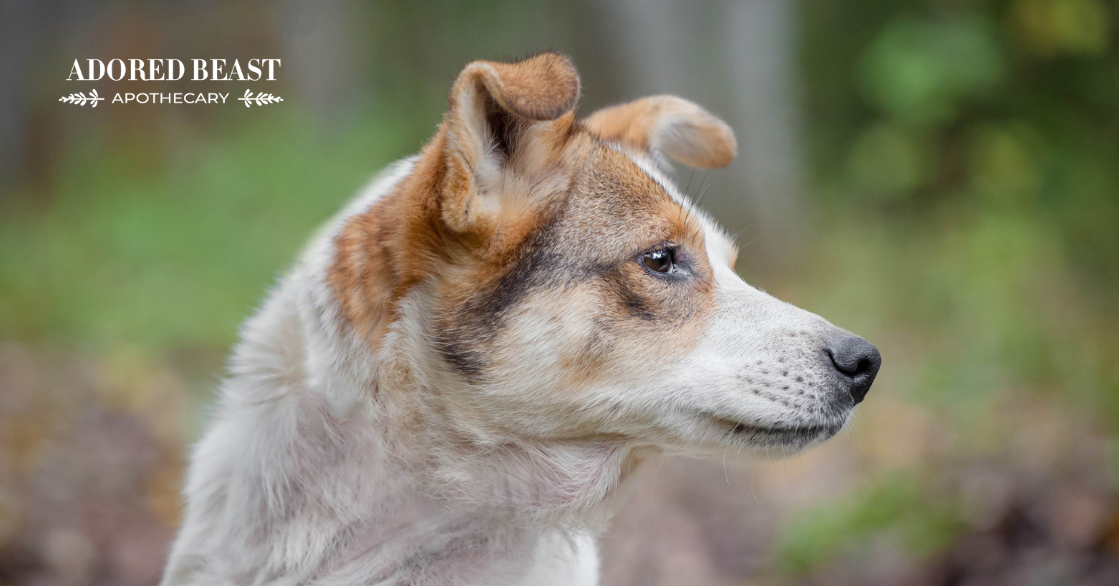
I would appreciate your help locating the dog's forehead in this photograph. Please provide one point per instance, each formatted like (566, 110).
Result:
(621, 192)
(614, 186)
(649, 169)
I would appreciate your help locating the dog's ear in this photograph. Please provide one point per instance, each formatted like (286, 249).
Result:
(496, 109)
(669, 125)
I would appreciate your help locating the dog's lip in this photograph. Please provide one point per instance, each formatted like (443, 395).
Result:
(740, 427)
(802, 431)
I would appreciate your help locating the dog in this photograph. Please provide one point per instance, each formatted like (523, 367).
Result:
(464, 366)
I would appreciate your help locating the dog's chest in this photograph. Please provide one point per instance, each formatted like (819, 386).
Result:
(465, 557)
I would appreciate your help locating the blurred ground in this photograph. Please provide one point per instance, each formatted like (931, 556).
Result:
(936, 175)
(90, 468)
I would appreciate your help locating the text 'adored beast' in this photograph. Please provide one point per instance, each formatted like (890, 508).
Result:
(175, 69)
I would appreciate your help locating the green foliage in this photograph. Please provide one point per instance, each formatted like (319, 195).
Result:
(965, 157)
(175, 253)
(893, 509)
(1052, 27)
(921, 70)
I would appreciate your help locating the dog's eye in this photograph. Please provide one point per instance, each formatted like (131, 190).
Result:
(660, 261)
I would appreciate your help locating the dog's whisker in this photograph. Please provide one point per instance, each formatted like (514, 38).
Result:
(689, 186)
(750, 481)
(752, 240)
(702, 194)
(703, 181)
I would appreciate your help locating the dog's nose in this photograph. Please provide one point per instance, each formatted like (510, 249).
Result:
(856, 361)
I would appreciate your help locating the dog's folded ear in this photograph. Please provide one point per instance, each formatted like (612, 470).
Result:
(667, 125)
(495, 110)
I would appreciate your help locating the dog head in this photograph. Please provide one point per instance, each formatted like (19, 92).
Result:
(541, 279)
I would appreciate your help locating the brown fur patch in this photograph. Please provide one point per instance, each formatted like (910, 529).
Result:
(382, 253)
(543, 87)
(675, 126)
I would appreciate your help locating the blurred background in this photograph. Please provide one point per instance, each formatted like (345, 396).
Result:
(939, 176)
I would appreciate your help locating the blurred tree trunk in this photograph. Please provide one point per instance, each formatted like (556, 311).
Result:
(648, 36)
(319, 57)
(15, 58)
(35, 35)
(743, 67)
(21, 26)
(763, 73)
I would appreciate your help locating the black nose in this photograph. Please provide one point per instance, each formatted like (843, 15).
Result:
(856, 361)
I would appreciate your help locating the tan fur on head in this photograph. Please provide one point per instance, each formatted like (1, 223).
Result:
(670, 125)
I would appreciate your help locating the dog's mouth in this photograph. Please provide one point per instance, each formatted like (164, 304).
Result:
(762, 435)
